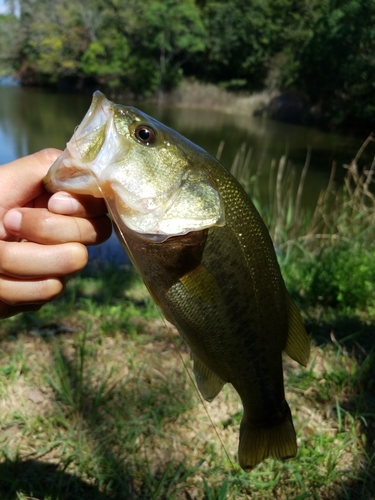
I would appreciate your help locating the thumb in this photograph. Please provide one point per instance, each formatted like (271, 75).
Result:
(23, 177)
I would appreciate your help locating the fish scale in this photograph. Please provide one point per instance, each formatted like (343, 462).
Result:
(204, 254)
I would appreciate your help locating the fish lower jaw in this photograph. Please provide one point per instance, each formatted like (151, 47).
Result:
(152, 222)
(144, 227)
(158, 228)
(150, 225)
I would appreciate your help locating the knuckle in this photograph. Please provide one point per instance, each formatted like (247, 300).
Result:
(47, 155)
(75, 257)
(59, 228)
(46, 227)
(37, 225)
(7, 259)
(50, 289)
(10, 293)
(3, 295)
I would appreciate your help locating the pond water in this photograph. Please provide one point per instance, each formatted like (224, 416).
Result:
(33, 119)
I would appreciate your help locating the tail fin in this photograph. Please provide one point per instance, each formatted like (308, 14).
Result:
(257, 442)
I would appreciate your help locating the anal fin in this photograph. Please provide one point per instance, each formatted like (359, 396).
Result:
(298, 344)
(209, 384)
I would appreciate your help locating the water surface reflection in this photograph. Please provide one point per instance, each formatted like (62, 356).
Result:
(32, 119)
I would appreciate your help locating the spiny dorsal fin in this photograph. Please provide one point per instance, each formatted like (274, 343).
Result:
(209, 384)
(297, 344)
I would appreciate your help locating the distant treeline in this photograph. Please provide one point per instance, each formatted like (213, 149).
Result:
(323, 50)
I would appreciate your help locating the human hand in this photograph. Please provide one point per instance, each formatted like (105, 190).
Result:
(42, 237)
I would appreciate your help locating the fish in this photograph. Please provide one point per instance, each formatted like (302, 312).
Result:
(205, 255)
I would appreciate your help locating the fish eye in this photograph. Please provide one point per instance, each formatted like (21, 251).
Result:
(145, 134)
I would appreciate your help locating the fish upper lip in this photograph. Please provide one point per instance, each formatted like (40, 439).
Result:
(104, 110)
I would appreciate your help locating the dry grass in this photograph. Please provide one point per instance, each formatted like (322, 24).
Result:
(193, 94)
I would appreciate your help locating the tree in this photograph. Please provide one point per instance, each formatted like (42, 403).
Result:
(170, 33)
(237, 43)
(247, 42)
(322, 48)
(52, 40)
(9, 29)
(336, 66)
(143, 46)
(107, 60)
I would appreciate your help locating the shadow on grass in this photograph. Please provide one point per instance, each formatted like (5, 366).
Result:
(123, 424)
(40, 480)
(116, 423)
(355, 338)
(112, 430)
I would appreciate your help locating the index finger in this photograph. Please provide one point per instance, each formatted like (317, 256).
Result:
(78, 205)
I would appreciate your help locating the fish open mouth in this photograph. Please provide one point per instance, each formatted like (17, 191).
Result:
(151, 188)
(94, 145)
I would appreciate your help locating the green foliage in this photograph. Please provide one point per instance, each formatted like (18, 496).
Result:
(139, 46)
(335, 67)
(52, 40)
(238, 43)
(174, 33)
(323, 49)
(107, 60)
(9, 29)
(327, 256)
(341, 276)
(249, 44)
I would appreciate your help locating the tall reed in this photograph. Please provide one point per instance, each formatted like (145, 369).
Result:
(343, 211)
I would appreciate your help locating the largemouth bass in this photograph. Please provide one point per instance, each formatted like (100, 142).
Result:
(204, 254)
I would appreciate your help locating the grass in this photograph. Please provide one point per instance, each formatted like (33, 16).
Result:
(96, 398)
(102, 416)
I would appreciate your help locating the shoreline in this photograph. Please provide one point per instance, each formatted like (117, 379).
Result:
(275, 105)
(286, 107)
(209, 96)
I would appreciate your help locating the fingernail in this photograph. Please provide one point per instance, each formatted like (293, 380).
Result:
(12, 221)
(63, 203)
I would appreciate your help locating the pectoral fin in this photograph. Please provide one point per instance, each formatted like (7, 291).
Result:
(200, 285)
(297, 344)
(209, 384)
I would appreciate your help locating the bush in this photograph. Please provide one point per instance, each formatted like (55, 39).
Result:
(341, 276)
